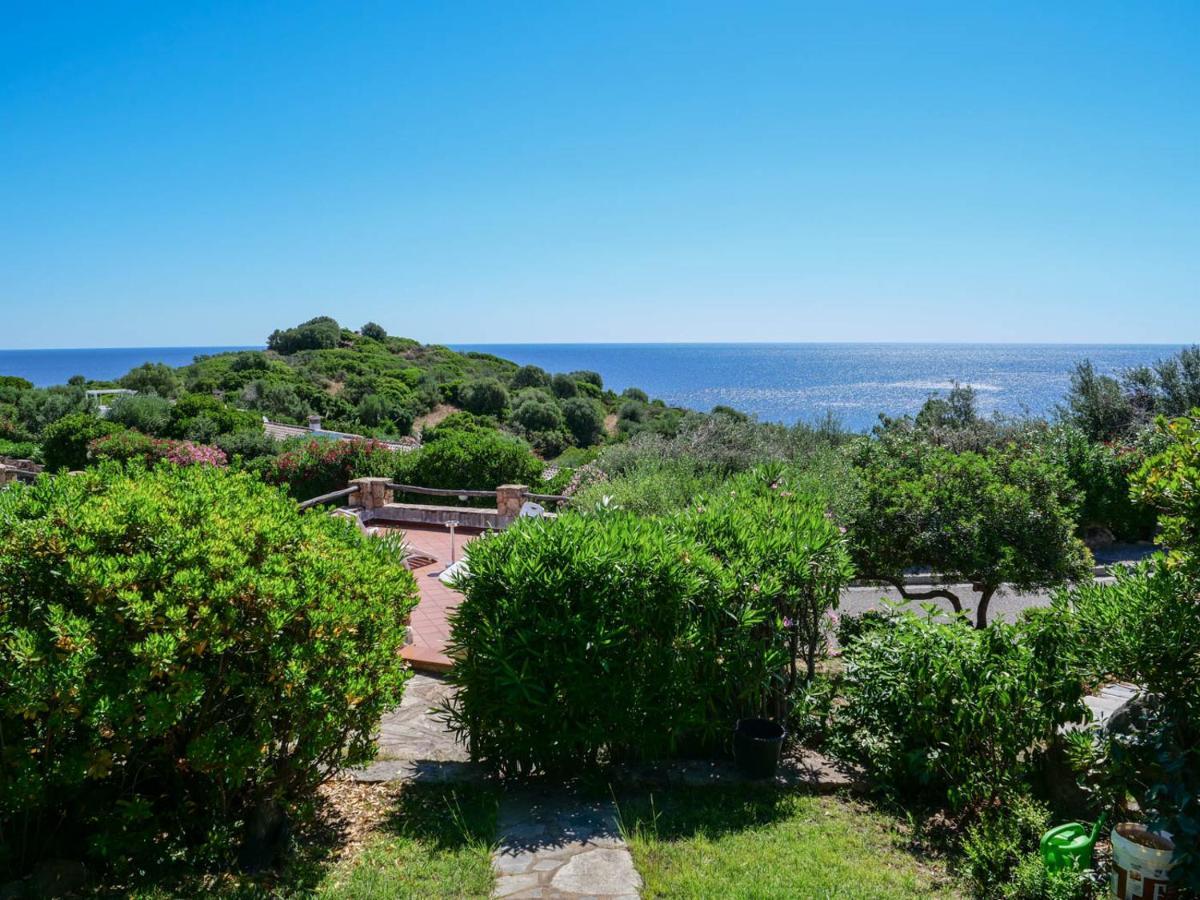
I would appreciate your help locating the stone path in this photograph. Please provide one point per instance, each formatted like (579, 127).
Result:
(554, 845)
(414, 744)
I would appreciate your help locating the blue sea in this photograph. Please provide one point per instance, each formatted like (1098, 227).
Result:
(776, 382)
(856, 382)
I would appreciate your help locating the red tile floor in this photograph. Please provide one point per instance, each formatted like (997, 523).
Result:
(430, 630)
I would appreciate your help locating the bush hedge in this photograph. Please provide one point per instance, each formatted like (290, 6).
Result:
(957, 715)
(178, 647)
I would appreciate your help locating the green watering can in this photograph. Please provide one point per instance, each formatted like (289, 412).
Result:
(1069, 846)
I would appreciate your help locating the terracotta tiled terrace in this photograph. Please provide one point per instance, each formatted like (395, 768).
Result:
(430, 630)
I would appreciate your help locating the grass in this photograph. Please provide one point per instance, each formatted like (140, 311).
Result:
(760, 842)
(420, 841)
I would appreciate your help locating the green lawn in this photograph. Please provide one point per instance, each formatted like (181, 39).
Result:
(430, 841)
(759, 842)
(437, 842)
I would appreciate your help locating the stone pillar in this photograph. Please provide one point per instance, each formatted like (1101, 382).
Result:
(5, 477)
(372, 492)
(509, 499)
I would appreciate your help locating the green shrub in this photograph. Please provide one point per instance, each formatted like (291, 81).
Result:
(1002, 837)
(65, 443)
(564, 386)
(1101, 472)
(607, 636)
(152, 378)
(955, 714)
(319, 333)
(317, 467)
(575, 643)
(653, 487)
(486, 397)
(1030, 880)
(537, 411)
(584, 418)
(1145, 629)
(248, 444)
(126, 446)
(474, 460)
(203, 418)
(18, 449)
(178, 647)
(147, 413)
(529, 377)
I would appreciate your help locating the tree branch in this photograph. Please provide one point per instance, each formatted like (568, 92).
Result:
(932, 594)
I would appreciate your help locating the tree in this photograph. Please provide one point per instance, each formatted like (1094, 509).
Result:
(537, 411)
(320, 333)
(956, 410)
(1096, 404)
(584, 419)
(530, 377)
(152, 378)
(1004, 516)
(564, 386)
(485, 397)
(376, 332)
(1170, 481)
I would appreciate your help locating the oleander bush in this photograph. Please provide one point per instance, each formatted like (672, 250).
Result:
(133, 446)
(577, 643)
(958, 716)
(179, 647)
(609, 636)
(318, 466)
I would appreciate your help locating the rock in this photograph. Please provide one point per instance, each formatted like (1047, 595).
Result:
(598, 872)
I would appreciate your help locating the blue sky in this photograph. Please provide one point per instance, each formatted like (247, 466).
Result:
(191, 174)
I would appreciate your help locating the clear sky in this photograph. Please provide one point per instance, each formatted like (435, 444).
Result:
(198, 173)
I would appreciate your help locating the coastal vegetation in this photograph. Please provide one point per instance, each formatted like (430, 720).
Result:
(176, 572)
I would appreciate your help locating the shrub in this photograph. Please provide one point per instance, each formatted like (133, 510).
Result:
(248, 444)
(787, 564)
(17, 449)
(607, 636)
(956, 714)
(201, 417)
(149, 414)
(1170, 481)
(564, 386)
(1145, 629)
(130, 446)
(635, 394)
(474, 460)
(1102, 472)
(586, 376)
(529, 377)
(485, 397)
(177, 648)
(1000, 840)
(584, 419)
(317, 467)
(572, 643)
(537, 411)
(65, 443)
(151, 378)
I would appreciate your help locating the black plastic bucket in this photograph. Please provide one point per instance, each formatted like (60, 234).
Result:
(756, 747)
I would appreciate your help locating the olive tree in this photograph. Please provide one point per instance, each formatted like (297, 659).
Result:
(1003, 516)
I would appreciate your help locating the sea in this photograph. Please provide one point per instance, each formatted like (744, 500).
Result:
(775, 382)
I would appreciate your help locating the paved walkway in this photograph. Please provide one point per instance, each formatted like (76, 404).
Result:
(430, 629)
(553, 845)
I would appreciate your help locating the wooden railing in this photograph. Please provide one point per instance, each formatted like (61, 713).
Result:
(327, 498)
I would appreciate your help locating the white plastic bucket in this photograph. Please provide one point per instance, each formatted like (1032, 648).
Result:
(1141, 863)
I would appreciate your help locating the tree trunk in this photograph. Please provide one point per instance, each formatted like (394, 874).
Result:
(985, 597)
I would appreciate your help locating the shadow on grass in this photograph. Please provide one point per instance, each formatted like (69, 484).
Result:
(677, 813)
(439, 818)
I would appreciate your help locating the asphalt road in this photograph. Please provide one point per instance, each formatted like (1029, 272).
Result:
(1006, 604)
